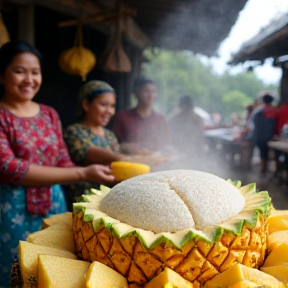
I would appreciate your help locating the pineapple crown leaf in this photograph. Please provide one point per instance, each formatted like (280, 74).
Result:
(236, 183)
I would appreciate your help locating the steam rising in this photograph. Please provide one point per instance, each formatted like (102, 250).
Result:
(199, 26)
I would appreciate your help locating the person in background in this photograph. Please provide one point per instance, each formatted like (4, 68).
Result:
(142, 130)
(88, 140)
(281, 117)
(235, 119)
(248, 126)
(33, 156)
(256, 107)
(264, 128)
(187, 130)
(216, 121)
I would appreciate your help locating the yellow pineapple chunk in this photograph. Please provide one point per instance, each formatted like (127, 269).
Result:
(61, 239)
(244, 284)
(241, 272)
(279, 272)
(29, 252)
(278, 220)
(63, 218)
(100, 276)
(57, 272)
(277, 257)
(277, 238)
(169, 279)
(122, 170)
(59, 226)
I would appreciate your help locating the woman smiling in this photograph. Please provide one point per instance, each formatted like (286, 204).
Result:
(33, 157)
(88, 140)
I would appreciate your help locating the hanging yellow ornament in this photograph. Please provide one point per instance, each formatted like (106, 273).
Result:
(4, 35)
(77, 60)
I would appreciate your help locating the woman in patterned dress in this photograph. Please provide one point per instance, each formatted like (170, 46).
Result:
(88, 140)
(33, 156)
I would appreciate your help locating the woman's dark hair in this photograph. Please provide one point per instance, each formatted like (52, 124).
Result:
(11, 49)
(140, 82)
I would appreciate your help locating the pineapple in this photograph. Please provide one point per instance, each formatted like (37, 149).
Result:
(280, 272)
(278, 256)
(244, 284)
(124, 170)
(100, 275)
(169, 279)
(192, 222)
(29, 260)
(238, 273)
(61, 239)
(57, 272)
(63, 218)
(276, 238)
(278, 220)
(59, 226)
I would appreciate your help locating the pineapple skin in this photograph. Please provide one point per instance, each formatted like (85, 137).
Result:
(196, 262)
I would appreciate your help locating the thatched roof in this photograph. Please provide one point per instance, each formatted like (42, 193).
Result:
(270, 42)
(196, 25)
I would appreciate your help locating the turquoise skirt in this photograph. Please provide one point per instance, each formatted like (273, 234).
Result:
(16, 223)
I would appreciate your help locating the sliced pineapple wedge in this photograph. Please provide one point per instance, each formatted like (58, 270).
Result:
(169, 279)
(278, 220)
(100, 276)
(277, 238)
(57, 272)
(59, 226)
(61, 239)
(279, 272)
(123, 170)
(64, 218)
(244, 284)
(28, 253)
(238, 273)
(277, 257)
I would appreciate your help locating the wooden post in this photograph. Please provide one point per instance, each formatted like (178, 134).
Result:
(284, 85)
(26, 23)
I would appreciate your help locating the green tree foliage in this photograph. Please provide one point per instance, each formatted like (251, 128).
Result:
(245, 82)
(235, 102)
(182, 73)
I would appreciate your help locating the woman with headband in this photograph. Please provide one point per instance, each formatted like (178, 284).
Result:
(88, 140)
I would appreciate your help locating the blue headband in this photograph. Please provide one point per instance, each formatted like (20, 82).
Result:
(96, 93)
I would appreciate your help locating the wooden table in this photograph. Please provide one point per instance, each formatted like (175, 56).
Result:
(279, 145)
(282, 147)
(232, 150)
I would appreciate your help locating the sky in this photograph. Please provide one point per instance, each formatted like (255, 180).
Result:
(255, 15)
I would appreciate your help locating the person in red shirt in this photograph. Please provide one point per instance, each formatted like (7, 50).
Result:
(282, 118)
(142, 130)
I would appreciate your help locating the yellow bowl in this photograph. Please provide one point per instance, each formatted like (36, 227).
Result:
(122, 170)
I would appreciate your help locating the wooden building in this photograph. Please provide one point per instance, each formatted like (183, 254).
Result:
(196, 25)
(270, 42)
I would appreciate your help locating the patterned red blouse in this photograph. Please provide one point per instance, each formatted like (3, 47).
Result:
(36, 140)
